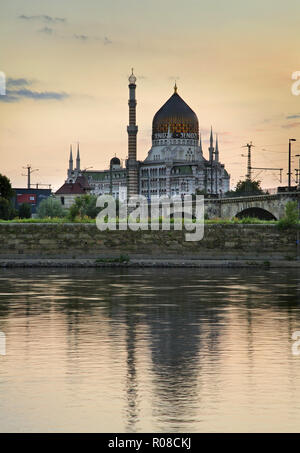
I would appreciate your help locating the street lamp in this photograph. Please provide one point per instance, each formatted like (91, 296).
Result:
(290, 152)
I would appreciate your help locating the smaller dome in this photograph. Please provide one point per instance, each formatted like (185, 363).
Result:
(132, 78)
(115, 161)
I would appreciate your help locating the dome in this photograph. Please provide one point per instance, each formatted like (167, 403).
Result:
(175, 115)
(115, 161)
(132, 78)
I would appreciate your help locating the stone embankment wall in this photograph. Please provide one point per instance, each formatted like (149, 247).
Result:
(74, 241)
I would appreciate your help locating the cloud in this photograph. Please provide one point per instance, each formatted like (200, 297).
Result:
(292, 117)
(17, 95)
(81, 37)
(106, 41)
(291, 125)
(43, 18)
(46, 30)
(18, 82)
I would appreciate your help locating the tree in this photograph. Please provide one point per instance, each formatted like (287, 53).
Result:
(84, 206)
(50, 207)
(6, 190)
(25, 211)
(246, 188)
(7, 211)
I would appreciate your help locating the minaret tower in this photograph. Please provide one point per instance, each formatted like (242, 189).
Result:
(78, 159)
(211, 146)
(217, 150)
(211, 159)
(200, 144)
(132, 129)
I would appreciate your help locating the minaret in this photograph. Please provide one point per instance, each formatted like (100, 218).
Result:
(70, 162)
(211, 159)
(217, 150)
(132, 129)
(78, 159)
(211, 146)
(200, 144)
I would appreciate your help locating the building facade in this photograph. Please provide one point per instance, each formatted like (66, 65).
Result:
(175, 164)
(32, 196)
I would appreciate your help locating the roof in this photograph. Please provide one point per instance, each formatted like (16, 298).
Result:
(79, 187)
(115, 161)
(177, 115)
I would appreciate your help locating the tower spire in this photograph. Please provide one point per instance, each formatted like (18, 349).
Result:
(175, 87)
(200, 144)
(217, 150)
(71, 159)
(70, 169)
(78, 158)
(211, 146)
(211, 158)
(132, 129)
(211, 137)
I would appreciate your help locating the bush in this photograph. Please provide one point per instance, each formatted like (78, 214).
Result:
(84, 206)
(25, 211)
(50, 207)
(291, 217)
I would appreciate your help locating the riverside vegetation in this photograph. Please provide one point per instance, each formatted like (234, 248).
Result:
(84, 210)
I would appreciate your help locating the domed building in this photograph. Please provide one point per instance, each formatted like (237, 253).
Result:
(175, 164)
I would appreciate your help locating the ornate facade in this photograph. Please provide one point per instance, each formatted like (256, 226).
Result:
(175, 164)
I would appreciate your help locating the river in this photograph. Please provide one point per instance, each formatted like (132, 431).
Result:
(149, 350)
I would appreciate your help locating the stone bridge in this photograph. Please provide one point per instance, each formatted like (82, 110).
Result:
(267, 207)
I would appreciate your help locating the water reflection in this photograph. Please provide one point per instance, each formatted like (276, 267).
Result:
(149, 350)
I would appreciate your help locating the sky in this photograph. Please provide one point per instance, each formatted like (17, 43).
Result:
(67, 64)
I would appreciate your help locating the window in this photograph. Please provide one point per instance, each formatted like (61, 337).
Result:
(62, 199)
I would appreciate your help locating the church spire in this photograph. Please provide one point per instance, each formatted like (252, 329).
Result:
(71, 159)
(211, 137)
(175, 87)
(78, 158)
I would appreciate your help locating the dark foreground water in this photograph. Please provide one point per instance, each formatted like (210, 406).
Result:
(149, 350)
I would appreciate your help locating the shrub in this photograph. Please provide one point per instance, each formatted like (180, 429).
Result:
(291, 217)
(25, 211)
(85, 206)
(50, 207)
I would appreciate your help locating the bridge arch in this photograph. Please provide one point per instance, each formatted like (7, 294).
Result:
(256, 212)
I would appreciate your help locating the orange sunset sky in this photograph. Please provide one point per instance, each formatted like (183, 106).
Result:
(67, 62)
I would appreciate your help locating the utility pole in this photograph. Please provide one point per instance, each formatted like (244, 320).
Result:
(29, 171)
(298, 170)
(290, 156)
(249, 168)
